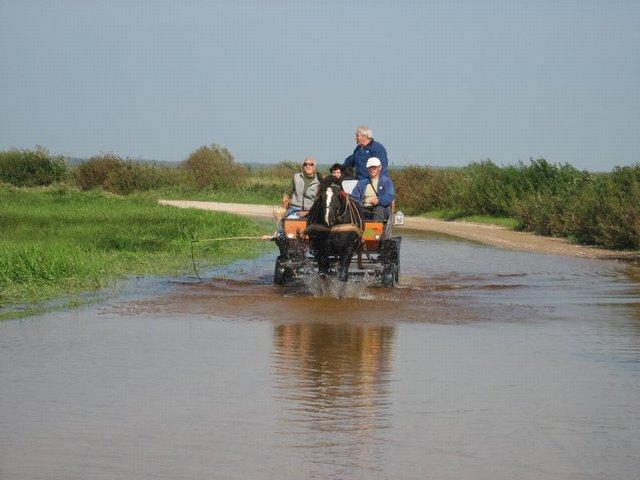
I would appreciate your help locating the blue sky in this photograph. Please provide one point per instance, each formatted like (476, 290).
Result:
(441, 82)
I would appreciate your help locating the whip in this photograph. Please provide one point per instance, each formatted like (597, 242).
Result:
(219, 239)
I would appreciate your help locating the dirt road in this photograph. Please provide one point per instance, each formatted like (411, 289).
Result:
(488, 234)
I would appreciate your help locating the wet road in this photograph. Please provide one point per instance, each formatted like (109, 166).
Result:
(483, 364)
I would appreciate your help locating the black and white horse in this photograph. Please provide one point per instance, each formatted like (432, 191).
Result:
(334, 227)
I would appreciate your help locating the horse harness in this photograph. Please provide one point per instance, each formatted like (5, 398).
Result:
(352, 226)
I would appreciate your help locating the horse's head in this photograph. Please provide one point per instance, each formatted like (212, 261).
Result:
(332, 199)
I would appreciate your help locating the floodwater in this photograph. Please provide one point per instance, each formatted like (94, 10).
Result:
(482, 364)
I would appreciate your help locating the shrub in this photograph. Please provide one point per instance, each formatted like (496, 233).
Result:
(94, 173)
(545, 196)
(213, 166)
(600, 209)
(266, 190)
(116, 175)
(541, 176)
(484, 188)
(542, 213)
(278, 172)
(421, 189)
(607, 210)
(29, 168)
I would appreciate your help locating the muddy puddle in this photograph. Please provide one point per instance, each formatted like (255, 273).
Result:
(482, 364)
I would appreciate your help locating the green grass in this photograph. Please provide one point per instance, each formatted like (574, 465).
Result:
(58, 241)
(251, 193)
(438, 215)
(506, 222)
(447, 215)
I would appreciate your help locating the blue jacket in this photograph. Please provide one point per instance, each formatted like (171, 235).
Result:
(386, 191)
(358, 159)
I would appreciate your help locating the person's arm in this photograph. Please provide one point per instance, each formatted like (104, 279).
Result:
(388, 193)
(358, 191)
(379, 151)
(348, 163)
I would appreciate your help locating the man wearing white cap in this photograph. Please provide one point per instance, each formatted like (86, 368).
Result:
(375, 193)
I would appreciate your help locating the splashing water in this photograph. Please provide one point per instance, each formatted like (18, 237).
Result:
(319, 285)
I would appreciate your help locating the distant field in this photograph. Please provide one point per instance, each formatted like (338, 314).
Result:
(251, 193)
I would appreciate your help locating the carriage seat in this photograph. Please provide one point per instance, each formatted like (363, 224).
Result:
(294, 227)
(372, 232)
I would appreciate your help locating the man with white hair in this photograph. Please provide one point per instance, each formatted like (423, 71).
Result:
(375, 193)
(366, 148)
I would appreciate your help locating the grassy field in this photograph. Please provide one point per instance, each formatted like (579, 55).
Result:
(59, 241)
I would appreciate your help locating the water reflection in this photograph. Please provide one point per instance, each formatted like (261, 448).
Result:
(332, 383)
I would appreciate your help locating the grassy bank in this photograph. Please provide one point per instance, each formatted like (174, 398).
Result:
(506, 222)
(59, 241)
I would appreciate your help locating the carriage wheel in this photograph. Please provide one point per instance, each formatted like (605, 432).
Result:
(390, 259)
(281, 274)
(389, 275)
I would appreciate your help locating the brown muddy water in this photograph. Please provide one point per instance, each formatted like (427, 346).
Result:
(483, 364)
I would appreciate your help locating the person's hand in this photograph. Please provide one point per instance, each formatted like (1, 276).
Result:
(285, 200)
(303, 213)
(374, 201)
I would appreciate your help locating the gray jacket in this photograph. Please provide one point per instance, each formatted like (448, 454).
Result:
(301, 198)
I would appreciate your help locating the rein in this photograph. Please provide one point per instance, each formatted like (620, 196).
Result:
(355, 223)
(344, 227)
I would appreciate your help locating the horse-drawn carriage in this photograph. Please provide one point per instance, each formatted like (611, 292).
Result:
(334, 239)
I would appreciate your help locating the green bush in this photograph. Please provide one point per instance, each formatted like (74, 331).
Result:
(607, 210)
(282, 171)
(94, 173)
(30, 168)
(541, 176)
(270, 191)
(549, 199)
(599, 209)
(421, 189)
(484, 188)
(542, 213)
(545, 196)
(213, 166)
(116, 175)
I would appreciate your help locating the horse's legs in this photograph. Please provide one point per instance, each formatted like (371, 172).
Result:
(345, 262)
(323, 266)
(322, 257)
